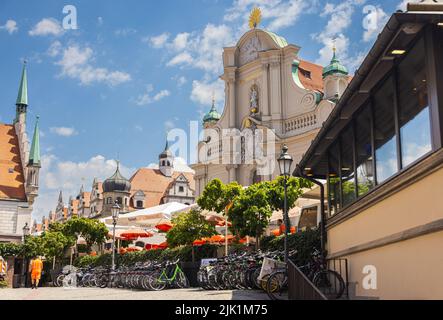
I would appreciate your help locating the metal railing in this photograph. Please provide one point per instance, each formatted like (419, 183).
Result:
(341, 267)
(300, 287)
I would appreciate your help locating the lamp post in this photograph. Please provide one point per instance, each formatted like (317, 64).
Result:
(26, 232)
(115, 210)
(285, 163)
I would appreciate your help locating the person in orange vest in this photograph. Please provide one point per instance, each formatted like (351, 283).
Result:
(281, 226)
(36, 271)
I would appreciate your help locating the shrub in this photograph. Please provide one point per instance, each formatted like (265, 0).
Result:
(183, 253)
(304, 242)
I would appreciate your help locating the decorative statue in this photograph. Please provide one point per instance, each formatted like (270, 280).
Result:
(253, 101)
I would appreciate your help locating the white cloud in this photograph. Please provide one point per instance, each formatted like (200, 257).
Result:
(181, 80)
(55, 49)
(158, 41)
(181, 59)
(181, 41)
(63, 131)
(202, 92)
(373, 22)
(47, 26)
(276, 14)
(76, 64)
(68, 176)
(339, 20)
(147, 97)
(10, 26)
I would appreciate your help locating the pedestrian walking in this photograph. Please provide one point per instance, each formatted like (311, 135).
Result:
(36, 271)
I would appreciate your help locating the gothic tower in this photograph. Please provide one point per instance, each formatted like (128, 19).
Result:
(33, 166)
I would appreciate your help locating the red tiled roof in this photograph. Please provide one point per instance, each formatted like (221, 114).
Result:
(12, 182)
(154, 184)
(315, 82)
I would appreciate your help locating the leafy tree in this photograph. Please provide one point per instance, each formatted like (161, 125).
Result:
(33, 247)
(93, 231)
(276, 192)
(10, 249)
(251, 211)
(55, 244)
(217, 195)
(188, 227)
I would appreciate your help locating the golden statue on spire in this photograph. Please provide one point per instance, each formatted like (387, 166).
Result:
(254, 18)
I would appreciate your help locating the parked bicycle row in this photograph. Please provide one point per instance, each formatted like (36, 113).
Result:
(268, 272)
(149, 275)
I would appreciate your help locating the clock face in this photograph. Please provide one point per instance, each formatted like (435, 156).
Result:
(249, 51)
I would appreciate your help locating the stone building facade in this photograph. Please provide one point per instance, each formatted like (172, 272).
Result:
(268, 88)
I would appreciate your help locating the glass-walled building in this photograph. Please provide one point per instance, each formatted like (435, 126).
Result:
(381, 154)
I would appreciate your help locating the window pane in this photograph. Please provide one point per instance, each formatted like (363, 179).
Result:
(415, 128)
(334, 181)
(365, 172)
(347, 166)
(385, 138)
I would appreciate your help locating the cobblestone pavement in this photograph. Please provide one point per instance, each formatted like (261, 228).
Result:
(121, 294)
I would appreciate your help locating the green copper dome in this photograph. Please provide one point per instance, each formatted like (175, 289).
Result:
(212, 115)
(334, 67)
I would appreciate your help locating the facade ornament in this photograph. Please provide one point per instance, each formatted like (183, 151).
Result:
(253, 100)
(254, 18)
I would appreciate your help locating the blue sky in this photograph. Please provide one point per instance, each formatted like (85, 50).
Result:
(134, 69)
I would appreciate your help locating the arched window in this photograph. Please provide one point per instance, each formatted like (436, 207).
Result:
(168, 164)
(139, 204)
(119, 200)
(181, 189)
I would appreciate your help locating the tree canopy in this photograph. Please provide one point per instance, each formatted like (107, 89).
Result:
(188, 227)
(217, 196)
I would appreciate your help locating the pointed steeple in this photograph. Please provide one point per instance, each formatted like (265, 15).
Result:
(34, 154)
(60, 197)
(22, 97)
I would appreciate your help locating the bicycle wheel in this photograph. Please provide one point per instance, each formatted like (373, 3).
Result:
(330, 283)
(277, 285)
(59, 280)
(181, 280)
(102, 281)
(264, 282)
(157, 282)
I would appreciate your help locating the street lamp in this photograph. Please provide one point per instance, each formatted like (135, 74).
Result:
(115, 210)
(26, 232)
(285, 163)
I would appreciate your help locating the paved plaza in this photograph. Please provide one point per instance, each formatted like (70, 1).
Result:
(49, 293)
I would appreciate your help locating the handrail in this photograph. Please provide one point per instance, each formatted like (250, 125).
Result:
(300, 287)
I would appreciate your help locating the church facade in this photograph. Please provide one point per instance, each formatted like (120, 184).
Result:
(268, 89)
(19, 170)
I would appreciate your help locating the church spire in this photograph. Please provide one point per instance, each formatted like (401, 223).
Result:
(34, 154)
(22, 97)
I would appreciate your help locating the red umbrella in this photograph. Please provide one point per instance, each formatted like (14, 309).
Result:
(216, 238)
(160, 246)
(165, 227)
(133, 234)
(276, 232)
(229, 237)
(199, 242)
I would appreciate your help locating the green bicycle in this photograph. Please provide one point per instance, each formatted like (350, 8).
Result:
(170, 275)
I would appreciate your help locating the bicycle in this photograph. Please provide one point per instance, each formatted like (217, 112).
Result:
(171, 275)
